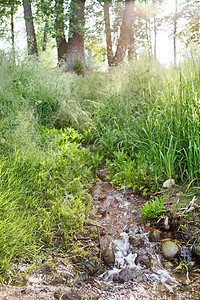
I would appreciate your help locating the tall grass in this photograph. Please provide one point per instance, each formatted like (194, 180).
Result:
(43, 169)
(152, 114)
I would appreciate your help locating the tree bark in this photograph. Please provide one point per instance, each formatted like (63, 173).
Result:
(75, 46)
(110, 55)
(45, 37)
(126, 32)
(12, 28)
(30, 31)
(175, 31)
(60, 30)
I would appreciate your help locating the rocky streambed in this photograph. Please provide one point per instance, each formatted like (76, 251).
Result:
(140, 262)
(133, 261)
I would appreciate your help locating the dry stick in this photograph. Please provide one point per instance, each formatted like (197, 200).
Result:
(100, 245)
(191, 206)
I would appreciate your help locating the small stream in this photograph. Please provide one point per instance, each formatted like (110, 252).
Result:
(135, 267)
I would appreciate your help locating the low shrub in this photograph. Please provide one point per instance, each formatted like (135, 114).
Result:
(153, 209)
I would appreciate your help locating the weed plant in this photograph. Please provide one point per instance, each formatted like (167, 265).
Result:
(153, 209)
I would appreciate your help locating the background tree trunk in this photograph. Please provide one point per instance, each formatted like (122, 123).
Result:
(110, 55)
(75, 46)
(126, 32)
(60, 30)
(12, 28)
(175, 31)
(30, 31)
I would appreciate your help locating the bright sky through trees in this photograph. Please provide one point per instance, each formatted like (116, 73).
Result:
(164, 47)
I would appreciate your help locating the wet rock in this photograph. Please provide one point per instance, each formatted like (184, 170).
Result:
(92, 229)
(71, 294)
(108, 252)
(135, 240)
(154, 236)
(102, 172)
(168, 183)
(166, 222)
(129, 274)
(102, 211)
(169, 249)
(143, 260)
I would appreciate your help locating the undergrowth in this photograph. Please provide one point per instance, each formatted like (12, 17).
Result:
(44, 170)
(142, 118)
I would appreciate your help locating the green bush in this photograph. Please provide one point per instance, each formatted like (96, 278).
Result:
(128, 173)
(153, 209)
(78, 67)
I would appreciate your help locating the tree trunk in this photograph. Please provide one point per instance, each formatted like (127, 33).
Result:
(155, 30)
(175, 31)
(126, 32)
(131, 49)
(12, 28)
(110, 55)
(44, 44)
(75, 54)
(30, 31)
(60, 30)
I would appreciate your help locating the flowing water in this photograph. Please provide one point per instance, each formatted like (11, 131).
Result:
(137, 269)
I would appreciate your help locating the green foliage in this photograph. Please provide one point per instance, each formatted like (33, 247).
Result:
(43, 171)
(45, 93)
(152, 209)
(152, 115)
(78, 67)
(128, 173)
(43, 198)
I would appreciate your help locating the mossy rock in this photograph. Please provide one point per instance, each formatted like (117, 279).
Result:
(169, 249)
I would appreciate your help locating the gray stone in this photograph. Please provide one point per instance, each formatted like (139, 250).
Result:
(135, 240)
(169, 249)
(143, 260)
(108, 254)
(168, 183)
(154, 236)
(129, 274)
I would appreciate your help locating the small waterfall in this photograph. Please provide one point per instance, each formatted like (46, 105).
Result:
(135, 263)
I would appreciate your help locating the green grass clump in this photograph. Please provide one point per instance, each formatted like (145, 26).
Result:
(152, 209)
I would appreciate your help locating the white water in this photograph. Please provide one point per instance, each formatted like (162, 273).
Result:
(125, 257)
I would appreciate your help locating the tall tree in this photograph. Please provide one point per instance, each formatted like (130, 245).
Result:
(125, 32)
(30, 31)
(175, 30)
(110, 56)
(75, 46)
(60, 30)
(8, 9)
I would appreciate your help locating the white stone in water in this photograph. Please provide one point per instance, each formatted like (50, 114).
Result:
(168, 183)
